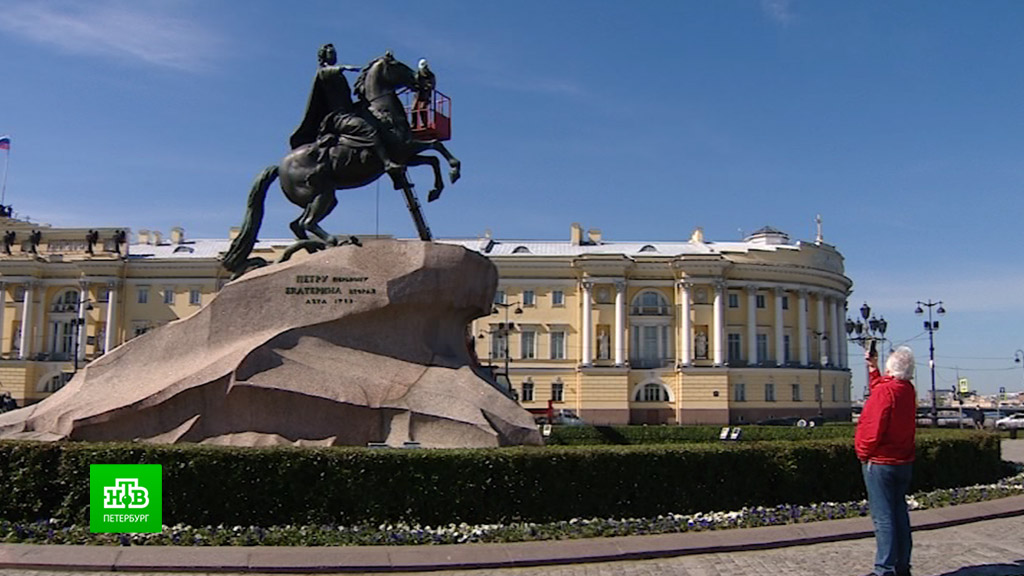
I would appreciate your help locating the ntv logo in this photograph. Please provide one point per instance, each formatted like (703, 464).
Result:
(125, 491)
(125, 498)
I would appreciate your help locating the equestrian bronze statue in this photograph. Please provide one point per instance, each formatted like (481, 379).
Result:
(340, 145)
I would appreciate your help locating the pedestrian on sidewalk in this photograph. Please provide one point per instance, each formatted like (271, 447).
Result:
(885, 446)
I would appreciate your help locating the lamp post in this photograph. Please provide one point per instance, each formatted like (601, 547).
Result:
(505, 328)
(822, 360)
(76, 323)
(864, 331)
(1018, 357)
(931, 326)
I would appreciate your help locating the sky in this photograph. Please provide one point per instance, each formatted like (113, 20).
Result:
(900, 123)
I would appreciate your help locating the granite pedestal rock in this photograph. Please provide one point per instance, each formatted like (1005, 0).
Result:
(348, 346)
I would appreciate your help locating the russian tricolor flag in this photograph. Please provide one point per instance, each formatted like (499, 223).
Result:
(5, 142)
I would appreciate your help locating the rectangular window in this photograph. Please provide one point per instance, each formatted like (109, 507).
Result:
(785, 302)
(140, 328)
(785, 349)
(769, 392)
(195, 297)
(558, 298)
(557, 392)
(499, 297)
(16, 338)
(527, 343)
(796, 392)
(833, 392)
(103, 295)
(740, 392)
(143, 295)
(168, 295)
(498, 347)
(734, 300)
(762, 348)
(734, 347)
(529, 299)
(19, 294)
(558, 345)
(759, 299)
(527, 391)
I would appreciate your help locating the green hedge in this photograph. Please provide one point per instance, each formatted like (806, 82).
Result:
(209, 485)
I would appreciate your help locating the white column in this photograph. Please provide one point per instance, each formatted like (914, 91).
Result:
(751, 325)
(718, 340)
(620, 323)
(38, 322)
(83, 292)
(3, 307)
(801, 326)
(685, 327)
(26, 322)
(837, 333)
(819, 299)
(588, 328)
(110, 336)
(56, 338)
(780, 346)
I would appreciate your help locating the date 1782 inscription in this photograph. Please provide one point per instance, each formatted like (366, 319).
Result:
(321, 290)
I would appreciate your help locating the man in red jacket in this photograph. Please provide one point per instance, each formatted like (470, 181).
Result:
(885, 446)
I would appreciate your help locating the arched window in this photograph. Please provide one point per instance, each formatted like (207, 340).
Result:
(521, 250)
(651, 392)
(648, 248)
(650, 303)
(67, 301)
(53, 383)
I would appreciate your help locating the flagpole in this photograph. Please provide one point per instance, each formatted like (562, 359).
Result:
(3, 189)
(7, 159)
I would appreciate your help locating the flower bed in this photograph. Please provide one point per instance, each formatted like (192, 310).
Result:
(56, 532)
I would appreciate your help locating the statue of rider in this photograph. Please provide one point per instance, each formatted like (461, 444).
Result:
(330, 116)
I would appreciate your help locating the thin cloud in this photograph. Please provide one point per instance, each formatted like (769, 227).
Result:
(482, 64)
(971, 290)
(113, 30)
(780, 11)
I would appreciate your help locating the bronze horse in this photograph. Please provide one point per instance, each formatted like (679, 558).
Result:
(377, 91)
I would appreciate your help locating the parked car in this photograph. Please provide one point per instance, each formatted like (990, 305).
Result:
(947, 419)
(793, 421)
(1011, 422)
(561, 418)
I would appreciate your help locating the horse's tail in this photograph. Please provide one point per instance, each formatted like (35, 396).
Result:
(237, 255)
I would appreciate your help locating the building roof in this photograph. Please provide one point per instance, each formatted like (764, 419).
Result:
(196, 248)
(213, 247)
(494, 247)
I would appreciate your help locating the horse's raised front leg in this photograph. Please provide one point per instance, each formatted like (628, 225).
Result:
(420, 160)
(454, 162)
(437, 146)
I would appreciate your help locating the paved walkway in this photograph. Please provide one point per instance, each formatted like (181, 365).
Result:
(980, 539)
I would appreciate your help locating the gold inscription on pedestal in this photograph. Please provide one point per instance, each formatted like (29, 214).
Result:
(340, 288)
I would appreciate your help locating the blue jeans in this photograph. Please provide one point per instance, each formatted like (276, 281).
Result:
(887, 489)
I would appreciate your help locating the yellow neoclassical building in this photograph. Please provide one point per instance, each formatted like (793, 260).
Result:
(694, 332)
(620, 332)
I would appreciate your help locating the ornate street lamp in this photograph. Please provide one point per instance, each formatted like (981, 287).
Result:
(823, 360)
(931, 326)
(76, 323)
(866, 330)
(505, 328)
